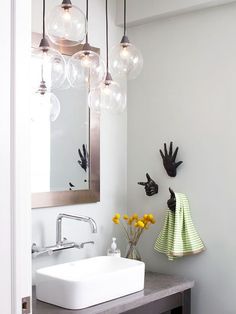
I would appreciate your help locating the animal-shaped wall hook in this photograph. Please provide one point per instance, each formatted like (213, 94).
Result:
(151, 187)
(169, 160)
(171, 203)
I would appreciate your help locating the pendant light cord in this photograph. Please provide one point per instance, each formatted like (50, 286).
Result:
(43, 19)
(87, 18)
(107, 44)
(42, 73)
(124, 17)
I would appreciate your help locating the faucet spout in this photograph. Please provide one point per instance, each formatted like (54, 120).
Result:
(92, 223)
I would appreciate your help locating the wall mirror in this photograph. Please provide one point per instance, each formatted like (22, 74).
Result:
(59, 176)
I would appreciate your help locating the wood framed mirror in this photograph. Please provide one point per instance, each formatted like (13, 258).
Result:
(57, 175)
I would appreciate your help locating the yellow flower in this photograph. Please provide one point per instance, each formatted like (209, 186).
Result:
(130, 221)
(126, 217)
(153, 221)
(150, 217)
(135, 216)
(117, 216)
(140, 224)
(145, 217)
(116, 220)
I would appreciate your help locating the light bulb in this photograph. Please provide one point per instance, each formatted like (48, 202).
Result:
(50, 63)
(66, 15)
(44, 107)
(86, 61)
(108, 96)
(66, 25)
(86, 69)
(124, 53)
(126, 59)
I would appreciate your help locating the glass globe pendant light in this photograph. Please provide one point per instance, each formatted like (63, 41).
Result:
(108, 95)
(125, 57)
(45, 104)
(52, 62)
(66, 24)
(85, 67)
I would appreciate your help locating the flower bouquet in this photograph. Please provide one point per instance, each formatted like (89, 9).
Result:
(133, 226)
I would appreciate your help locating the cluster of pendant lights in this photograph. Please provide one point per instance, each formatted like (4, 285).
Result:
(67, 26)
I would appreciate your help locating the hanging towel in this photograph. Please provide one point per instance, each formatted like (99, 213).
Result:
(178, 236)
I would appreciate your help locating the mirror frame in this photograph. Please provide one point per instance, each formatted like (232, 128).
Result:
(92, 195)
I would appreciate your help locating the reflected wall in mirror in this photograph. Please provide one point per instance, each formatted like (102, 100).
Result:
(65, 153)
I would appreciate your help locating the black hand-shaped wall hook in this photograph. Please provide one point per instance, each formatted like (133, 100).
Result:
(169, 160)
(172, 201)
(83, 158)
(151, 188)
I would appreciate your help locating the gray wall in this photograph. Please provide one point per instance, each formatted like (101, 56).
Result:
(187, 94)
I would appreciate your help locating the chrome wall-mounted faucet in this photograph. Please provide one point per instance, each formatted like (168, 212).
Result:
(59, 238)
(62, 243)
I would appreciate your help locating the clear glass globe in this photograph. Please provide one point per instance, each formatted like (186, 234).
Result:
(66, 25)
(108, 96)
(122, 81)
(44, 107)
(94, 100)
(127, 59)
(86, 69)
(49, 64)
(66, 84)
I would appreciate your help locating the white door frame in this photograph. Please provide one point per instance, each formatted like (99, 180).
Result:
(15, 205)
(5, 164)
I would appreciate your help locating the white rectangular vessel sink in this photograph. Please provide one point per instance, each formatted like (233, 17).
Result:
(87, 282)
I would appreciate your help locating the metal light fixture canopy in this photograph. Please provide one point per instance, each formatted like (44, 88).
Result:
(125, 57)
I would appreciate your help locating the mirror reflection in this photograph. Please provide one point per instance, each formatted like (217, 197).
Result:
(59, 140)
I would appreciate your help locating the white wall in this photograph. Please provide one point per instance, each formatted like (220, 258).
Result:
(113, 165)
(5, 136)
(144, 11)
(187, 94)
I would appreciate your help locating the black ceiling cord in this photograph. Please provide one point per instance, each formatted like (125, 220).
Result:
(43, 18)
(125, 39)
(44, 42)
(108, 74)
(124, 17)
(107, 50)
(87, 18)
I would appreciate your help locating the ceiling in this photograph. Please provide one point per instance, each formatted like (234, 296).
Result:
(144, 11)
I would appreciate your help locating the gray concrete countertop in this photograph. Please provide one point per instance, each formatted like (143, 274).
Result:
(157, 286)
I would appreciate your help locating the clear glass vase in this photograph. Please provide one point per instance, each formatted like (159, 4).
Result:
(132, 252)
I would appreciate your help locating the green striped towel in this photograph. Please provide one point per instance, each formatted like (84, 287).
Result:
(178, 236)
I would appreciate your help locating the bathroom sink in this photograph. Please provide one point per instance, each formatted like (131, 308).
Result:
(90, 281)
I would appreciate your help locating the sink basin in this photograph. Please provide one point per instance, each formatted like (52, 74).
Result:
(90, 281)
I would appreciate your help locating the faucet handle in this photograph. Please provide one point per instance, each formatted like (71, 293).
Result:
(81, 245)
(36, 250)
